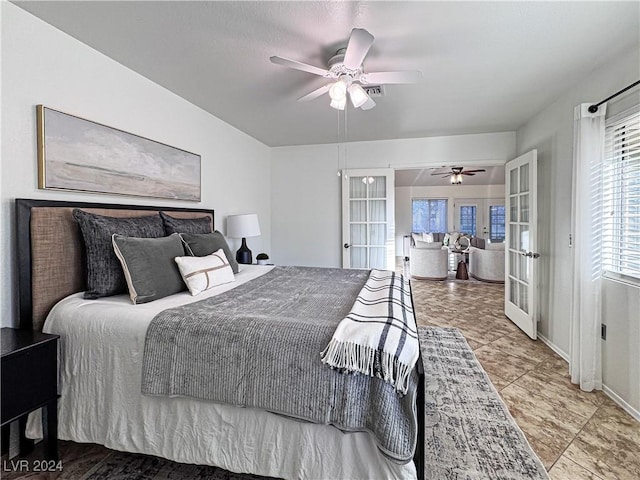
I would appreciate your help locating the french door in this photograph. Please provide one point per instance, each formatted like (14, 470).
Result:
(480, 217)
(520, 302)
(368, 232)
(467, 216)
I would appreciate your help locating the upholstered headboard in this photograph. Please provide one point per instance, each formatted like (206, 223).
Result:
(50, 250)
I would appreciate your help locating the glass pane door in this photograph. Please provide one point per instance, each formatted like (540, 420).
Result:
(467, 223)
(369, 219)
(520, 242)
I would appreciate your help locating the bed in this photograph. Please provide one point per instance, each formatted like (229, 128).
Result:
(101, 362)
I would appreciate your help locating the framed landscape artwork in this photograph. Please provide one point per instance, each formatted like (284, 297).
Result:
(80, 155)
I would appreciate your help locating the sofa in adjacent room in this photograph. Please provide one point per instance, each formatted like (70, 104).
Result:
(435, 265)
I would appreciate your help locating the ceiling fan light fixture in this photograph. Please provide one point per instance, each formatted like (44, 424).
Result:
(338, 91)
(456, 179)
(339, 104)
(357, 94)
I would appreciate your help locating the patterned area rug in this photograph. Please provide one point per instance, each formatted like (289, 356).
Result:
(469, 431)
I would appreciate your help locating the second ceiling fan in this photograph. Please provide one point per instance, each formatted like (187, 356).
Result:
(347, 71)
(457, 172)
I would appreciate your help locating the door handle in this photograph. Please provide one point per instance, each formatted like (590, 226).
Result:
(529, 254)
(346, 245)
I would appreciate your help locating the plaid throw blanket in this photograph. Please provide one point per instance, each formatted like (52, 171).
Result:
(379, 336)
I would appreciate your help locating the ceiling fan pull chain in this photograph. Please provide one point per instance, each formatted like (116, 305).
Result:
(339, 143)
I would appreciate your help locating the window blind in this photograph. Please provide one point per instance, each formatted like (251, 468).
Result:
(620, 222)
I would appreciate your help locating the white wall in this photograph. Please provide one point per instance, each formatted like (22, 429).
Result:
(305, 188)
(42, 65)
(452, 193)
(551, 133)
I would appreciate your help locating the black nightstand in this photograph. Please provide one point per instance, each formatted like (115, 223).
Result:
(29, 377)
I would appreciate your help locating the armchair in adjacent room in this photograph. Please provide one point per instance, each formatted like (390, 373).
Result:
(429, 261)
(487, 264)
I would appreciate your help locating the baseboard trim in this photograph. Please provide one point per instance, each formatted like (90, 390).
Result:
(607, 391)
(555, 348)
(621, 402)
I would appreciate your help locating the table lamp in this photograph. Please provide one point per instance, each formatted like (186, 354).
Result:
(243, 226)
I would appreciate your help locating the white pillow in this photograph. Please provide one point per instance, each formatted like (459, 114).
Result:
(203, 273)
(427, 237)
(417, 237)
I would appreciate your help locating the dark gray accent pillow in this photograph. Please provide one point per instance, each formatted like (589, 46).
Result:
(201, 244)
(104, 275)
(149, 266)
(186, 225)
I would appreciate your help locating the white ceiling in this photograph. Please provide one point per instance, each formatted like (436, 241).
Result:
(488, 66)
(428, 177)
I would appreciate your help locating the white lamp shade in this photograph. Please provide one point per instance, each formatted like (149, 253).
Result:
(240, 226)
(339, 104)
(358, 96)
(338, 90)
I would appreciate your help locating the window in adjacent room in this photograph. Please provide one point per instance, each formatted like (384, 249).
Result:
(621, 197)
(429, 215)
(468, 219)
(496, 223)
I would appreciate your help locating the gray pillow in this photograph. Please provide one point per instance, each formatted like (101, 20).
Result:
(201, 244)
(149, 266)
(104, 275)
(186, 225)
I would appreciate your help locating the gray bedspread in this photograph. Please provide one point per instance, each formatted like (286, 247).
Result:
(259, 345)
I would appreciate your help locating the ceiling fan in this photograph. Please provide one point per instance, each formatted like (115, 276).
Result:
(346, 71)
(457, 172)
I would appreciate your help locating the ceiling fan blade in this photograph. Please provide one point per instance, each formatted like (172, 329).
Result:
(359, 44)
(385, 78)
(470, 174)
(285, 62)
(369, 104)
(315, 94)
(474, 171)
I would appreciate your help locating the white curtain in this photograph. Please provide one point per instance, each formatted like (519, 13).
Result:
(588, 150)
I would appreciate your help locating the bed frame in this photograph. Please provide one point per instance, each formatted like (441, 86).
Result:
(50, 266)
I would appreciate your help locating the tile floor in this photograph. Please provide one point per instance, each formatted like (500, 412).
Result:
(577, 435)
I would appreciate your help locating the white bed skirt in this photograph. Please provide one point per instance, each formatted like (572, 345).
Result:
(101, 349)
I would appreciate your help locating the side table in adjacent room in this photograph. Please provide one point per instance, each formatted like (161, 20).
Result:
(29, 377)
